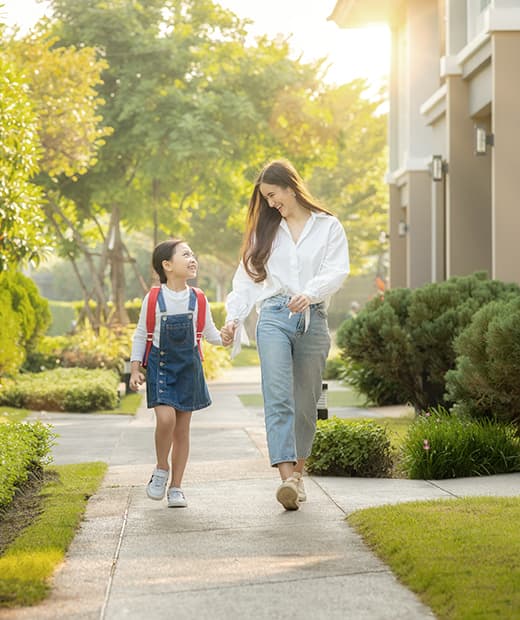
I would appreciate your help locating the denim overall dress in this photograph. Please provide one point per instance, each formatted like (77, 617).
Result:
(174, 375)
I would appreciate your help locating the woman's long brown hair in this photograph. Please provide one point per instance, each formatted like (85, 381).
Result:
(263, 221)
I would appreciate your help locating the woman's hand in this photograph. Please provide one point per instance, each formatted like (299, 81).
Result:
(227, 333)
(298, 303)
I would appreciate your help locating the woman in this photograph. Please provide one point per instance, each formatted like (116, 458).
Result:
(294, 257)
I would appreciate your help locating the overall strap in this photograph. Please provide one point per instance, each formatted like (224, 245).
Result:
(150, 321)
(201, 316)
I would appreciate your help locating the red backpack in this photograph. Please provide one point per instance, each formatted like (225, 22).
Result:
(150, 319)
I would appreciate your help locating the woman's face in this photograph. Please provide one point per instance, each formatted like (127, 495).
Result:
(282, 199)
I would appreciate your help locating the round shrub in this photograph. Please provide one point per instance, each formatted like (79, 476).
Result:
(350, 448)
(485, 381)
(404, 344)
(439, 446)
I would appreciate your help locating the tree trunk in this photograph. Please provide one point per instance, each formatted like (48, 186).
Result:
(117, 270)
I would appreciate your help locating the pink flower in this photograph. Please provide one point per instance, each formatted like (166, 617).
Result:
(426, 444)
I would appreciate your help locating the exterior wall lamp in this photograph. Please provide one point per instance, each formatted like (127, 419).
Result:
(438, 168)
(483, 140)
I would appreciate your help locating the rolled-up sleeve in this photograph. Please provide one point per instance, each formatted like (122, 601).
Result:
(334, 267)
(243, 296)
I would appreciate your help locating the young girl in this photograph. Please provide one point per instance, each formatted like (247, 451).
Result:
(294, 257)
(175, 384)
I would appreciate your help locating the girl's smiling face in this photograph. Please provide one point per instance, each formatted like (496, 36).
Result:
(182, 264)
(280, 198)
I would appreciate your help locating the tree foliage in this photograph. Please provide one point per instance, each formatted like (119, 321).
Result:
(195, 110)
(21, 219)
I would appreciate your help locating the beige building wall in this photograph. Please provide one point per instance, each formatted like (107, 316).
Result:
(506, 156)
(455, 66)
(468, 189)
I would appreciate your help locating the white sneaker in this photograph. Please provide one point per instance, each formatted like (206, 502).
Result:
(287, 494)
(176, 498)
(156, 488)
(302, 495)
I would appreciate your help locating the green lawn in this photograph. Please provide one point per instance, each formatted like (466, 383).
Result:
(12, 414)
(460, 556)
(30, 560)
(247, 357)
(128, 405)
(339, 398)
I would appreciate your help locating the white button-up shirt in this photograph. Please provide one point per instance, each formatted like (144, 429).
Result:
(315, 265)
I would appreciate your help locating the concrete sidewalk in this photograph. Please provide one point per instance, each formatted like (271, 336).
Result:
(234, 552)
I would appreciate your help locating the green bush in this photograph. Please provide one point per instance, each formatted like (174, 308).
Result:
(403, 345)
(64, 317)
(215, 360)
(334, 368)
(350, 448)
(133, 308)
(63, 389)
(24, 318)
(24, 449)
(485, 381)
(439, 445)
(218, 312)
(85, 349)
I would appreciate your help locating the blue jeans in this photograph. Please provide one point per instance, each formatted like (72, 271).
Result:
(292, 361)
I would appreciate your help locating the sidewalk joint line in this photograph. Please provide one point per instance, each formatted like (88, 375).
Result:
(115, 559)
(437, 486)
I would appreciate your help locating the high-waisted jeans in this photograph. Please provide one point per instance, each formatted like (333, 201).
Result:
(292, 361)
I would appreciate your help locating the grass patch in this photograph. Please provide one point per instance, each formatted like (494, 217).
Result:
(460, 556)
(128, 405)
(247, 357)
(30, 559)
(339, 398)
(12, 414)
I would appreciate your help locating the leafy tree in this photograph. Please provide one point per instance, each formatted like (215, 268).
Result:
(21, 220)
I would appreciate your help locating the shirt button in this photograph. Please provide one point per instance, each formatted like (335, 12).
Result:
(163, 352)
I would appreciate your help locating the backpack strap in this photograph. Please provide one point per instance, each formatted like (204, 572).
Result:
(201, 317)
(150, 321)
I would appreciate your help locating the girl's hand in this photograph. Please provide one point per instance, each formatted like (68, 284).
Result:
(136, 379)
(227, 333)
(298, 303)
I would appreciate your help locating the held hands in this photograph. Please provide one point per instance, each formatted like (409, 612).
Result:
(227, 333)
(298, 303)
(136, 379)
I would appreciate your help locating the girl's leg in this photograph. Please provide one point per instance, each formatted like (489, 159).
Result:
(181, 447)
(164, 427)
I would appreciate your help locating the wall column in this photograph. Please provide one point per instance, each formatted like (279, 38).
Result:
(506, 156)
(468, 189)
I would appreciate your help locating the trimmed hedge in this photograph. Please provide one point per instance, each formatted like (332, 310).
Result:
(24, 449)
(63, 389)
(439, 446)
(350, 448)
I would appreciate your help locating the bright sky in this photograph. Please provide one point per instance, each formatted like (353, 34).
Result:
(352, 53)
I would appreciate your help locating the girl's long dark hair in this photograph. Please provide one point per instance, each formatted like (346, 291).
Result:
(262, 221)
(164, 251)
